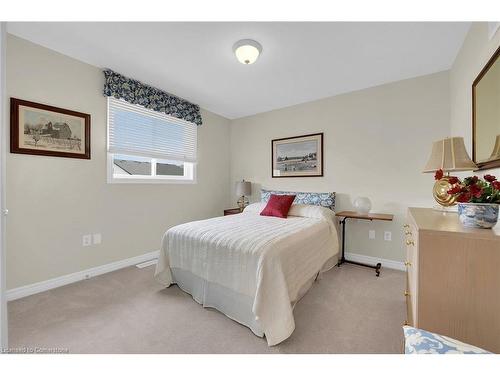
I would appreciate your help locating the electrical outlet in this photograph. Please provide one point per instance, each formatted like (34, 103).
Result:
(97, 238)
(87, 240)
(388, 236)
(371, 234)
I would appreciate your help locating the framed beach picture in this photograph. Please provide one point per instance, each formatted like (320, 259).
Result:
(39, 129)
(300, 156)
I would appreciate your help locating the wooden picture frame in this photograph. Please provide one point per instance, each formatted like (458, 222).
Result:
(299, 156)
(482, 165)
(39, 129)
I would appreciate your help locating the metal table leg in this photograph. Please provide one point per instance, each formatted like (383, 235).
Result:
(376, 267)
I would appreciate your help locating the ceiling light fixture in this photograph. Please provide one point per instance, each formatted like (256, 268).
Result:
(247, 51)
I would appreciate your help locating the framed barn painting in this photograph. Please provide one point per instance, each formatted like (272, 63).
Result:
(300, 156)
(39, 129)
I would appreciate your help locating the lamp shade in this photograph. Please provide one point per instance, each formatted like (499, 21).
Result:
(243, 188)
(450, 155)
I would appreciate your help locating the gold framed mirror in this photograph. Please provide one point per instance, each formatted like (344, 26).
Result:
(486, 115)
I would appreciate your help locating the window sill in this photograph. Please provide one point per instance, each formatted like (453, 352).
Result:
(150, 181)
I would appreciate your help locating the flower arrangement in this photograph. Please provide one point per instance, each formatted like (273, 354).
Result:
(473, 189)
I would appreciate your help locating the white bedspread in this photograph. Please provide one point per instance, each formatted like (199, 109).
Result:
(266, 258)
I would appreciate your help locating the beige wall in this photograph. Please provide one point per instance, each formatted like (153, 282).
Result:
(54, 201)
(472, 57)
(376, 142)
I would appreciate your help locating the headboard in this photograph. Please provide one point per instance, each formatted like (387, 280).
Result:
(316, 199)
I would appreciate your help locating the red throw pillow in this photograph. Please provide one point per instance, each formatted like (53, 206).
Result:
(278, 205)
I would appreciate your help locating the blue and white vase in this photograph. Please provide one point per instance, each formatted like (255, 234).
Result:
(478, 215)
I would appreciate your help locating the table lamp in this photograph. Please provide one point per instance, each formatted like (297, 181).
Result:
(450, 155)
(243, 189)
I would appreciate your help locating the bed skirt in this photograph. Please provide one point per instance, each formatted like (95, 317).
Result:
(234, 305)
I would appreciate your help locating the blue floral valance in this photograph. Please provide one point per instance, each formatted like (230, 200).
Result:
(136, 92)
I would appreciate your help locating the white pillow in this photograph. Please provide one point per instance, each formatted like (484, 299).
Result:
(308, 210)
(255, 207)
(304, 210)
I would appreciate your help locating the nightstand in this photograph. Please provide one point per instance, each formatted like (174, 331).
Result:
(232, 211)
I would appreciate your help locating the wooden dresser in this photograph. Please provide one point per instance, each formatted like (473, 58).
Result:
(453, 278)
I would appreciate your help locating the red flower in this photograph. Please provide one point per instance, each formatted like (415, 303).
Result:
(489, 177)
(453, 180)
(496, 185)
(439, 174)
(455, 190)
(464, 198)
(476, 191)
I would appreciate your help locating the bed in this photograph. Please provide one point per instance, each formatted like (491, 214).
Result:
(253, 268)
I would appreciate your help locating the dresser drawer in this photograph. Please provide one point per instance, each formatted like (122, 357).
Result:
(411, 263)
(409, 305)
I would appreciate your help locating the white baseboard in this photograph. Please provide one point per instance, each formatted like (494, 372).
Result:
(42, 286)
(147, 264)
(387, 263)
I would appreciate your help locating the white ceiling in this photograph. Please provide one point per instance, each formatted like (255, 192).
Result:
(301, 61)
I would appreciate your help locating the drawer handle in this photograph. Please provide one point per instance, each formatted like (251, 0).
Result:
(406, 293)
(410, 242)
(408, 233)
(407, 264)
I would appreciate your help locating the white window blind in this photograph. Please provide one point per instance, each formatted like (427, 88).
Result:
(135, 130)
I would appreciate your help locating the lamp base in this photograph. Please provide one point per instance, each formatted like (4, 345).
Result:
(440, 192)
(242, 202)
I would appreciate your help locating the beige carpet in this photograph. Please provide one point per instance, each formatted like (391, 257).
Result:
(348, 311)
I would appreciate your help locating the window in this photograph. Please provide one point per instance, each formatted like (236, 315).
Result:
(148, 146)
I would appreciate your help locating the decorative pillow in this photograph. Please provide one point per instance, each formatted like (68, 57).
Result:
(278, 205)
(316, 212)
(418, 341)
(255, 208)
(316, 199)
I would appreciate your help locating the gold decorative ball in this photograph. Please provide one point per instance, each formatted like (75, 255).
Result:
(440, 192)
